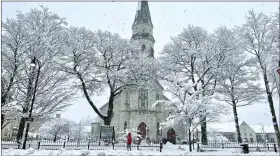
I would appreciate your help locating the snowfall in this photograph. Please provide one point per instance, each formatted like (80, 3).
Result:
(168, 149)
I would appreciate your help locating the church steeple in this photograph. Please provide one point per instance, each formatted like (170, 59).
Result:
(142, 28)
(143, 14)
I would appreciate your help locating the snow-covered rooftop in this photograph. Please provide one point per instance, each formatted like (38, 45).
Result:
(267, 128)
(230, 127)
(222, 126)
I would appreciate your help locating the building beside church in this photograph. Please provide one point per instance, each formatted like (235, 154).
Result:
(133, 107)
(250, 133)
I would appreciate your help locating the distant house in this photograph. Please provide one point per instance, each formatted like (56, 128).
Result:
(251, 133)
(9, 132)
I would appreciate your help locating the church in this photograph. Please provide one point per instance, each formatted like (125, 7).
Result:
(133, 107)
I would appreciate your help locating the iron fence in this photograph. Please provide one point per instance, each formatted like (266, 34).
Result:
(235, 145)
(74, 145)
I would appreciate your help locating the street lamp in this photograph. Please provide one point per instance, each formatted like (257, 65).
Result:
(33, 64)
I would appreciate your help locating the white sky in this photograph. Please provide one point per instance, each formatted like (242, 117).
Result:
(169, 19)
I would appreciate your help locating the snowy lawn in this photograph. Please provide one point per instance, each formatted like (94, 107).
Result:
(63, 152)
(168, 149)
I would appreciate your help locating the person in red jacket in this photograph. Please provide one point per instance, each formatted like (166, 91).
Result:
(129, 141)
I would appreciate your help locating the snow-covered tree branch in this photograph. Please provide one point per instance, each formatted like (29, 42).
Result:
(101, 60)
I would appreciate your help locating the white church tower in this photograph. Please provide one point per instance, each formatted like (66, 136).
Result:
(142, 29)
(133, 107)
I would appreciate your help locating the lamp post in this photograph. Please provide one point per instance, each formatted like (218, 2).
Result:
(33, 63)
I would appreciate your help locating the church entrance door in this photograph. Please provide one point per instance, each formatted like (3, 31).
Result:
(142, 130)
(171, 135)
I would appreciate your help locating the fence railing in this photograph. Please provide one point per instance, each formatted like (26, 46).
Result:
(71, 145)
(234, 145)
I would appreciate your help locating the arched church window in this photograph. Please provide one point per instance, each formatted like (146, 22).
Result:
(143, 47)
(127, 98)
(125, 126)
(157, 98)
(146, 98)
(143, 99)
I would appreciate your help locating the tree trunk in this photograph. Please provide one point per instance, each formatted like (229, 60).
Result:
(54, 139)
(204, 131)
(26, 106)
(20, 129)
(87, 96)
(110, 112)
(204, 139)
(236, 121)
(190, 145)
(2, 119)
(272, 110)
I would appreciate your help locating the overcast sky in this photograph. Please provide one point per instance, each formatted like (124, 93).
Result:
(169, 19)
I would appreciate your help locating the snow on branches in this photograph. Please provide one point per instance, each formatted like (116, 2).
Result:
(101, 60)
(189, 110)
(54, 128)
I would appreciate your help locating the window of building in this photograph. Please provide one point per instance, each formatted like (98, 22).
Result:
(127, 98)
(259, 138)
(251, 139)
(143, 47)
(6, 132)
(157, 98)
(143, 99)
(272, 140)
(158, 131)
(250, 134)
(125, 126)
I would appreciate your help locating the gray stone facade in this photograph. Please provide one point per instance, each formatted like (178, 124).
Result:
(129, 109)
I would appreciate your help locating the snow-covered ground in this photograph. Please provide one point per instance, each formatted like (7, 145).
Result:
(168, 149)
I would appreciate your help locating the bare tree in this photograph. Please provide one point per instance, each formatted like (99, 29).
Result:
(40, 32)
(188, 111)
(54, 128)
(237, 78)
(14, 39)
(258, 38)
(263, 134)
(101, 60)
(197, 56)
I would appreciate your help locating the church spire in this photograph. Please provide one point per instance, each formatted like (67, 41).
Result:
(142, 29)
(143, 14)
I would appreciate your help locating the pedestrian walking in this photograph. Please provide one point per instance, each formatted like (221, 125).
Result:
(129, 141)
(138, 142)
